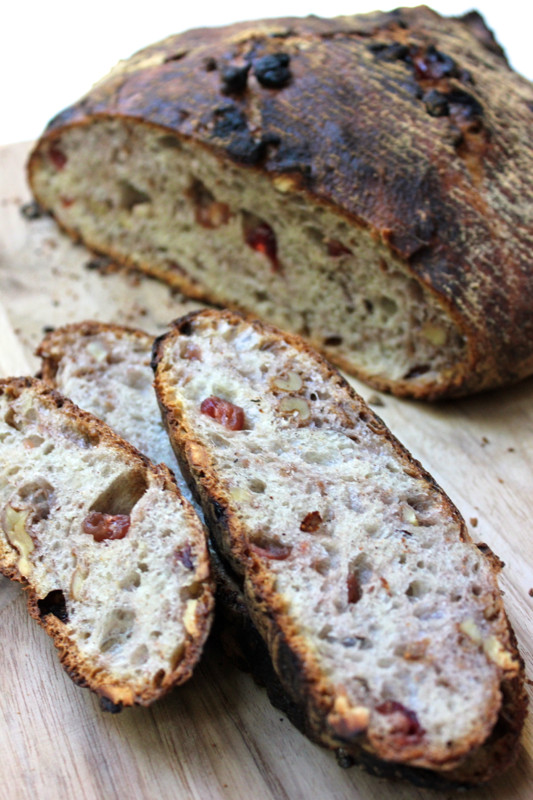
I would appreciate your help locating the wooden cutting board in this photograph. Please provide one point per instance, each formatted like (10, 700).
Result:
(218, 736)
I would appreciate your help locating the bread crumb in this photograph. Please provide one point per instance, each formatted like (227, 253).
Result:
(484, 441)
(473, 522)
(375, 400)
(531, 592)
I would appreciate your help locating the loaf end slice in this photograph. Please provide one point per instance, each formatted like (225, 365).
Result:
(105, 369)
(383, 621)
(113, 558)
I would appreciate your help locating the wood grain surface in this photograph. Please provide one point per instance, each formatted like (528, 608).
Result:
(218, 736)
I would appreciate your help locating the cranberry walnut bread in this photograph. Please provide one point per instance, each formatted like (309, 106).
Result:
(105, 369)
(113, 558)
(383, 620)
(363, 181)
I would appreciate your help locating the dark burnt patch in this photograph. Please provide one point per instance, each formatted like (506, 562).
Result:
(177, 56)
(33, 211)
(229, 119)
(108, 705)
(53, 603)
(234, 78)
(273, 71)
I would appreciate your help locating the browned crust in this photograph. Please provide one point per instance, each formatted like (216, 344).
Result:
(434, 188)
(84, 671)
(296, 669)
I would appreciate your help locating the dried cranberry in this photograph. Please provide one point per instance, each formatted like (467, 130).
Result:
(224, 412)
(184, 556)
(354, 588)
(337, 249)
(276, 552)
(57, 157)
(311, 522)
(106, 526)
(261, 238)
(405, 724)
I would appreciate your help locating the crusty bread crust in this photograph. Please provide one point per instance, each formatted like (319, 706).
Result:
(320, 711)
(62, 420)
(427, 147)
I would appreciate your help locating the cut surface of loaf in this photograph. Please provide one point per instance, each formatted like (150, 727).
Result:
(383, 620)
(113, 558)
(105, 369)
(362, 181)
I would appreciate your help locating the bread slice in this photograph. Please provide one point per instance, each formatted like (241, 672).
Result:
(370, 189)
(113, 558)
(105, 369)
(384, 622)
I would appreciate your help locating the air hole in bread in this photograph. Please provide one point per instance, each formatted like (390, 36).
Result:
(217, 440)
(11, 420)
(117, 629)
(332, 341)
(208, 212)
(139, 656)
(192, 591)
(177, 656)
(256, 485)
(416, 589)
(122, 494)
(53, 603)
(131, 196)
(170, 142)
(321, 565)
(38, 494)
(130, 582)
(159, 677)
(388, 306)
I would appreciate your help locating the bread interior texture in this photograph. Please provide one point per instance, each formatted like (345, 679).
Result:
(128, 605)
(232, 235)
(364, 558)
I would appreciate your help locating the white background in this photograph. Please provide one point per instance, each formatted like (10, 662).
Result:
(52, 51)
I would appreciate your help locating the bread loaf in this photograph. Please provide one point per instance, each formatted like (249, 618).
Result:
(113, 558)
(384, 622)
(363, 181)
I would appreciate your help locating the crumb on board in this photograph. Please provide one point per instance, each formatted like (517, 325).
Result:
(531, 592)
(484, 441)
(375, 400)
(473, 522)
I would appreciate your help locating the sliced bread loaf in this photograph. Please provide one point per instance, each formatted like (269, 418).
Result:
(363, 181)
(384, 622)
(113, 558)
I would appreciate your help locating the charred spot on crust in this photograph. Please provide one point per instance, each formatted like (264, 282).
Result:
(273, 71)
(416, 371)
(53, 603)
(108, 705)
(436, 103)
(434, 64)
(390, 52)
(234, 79)
(218, 510)
(32, 211)
(176, 56)
(228, 120)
